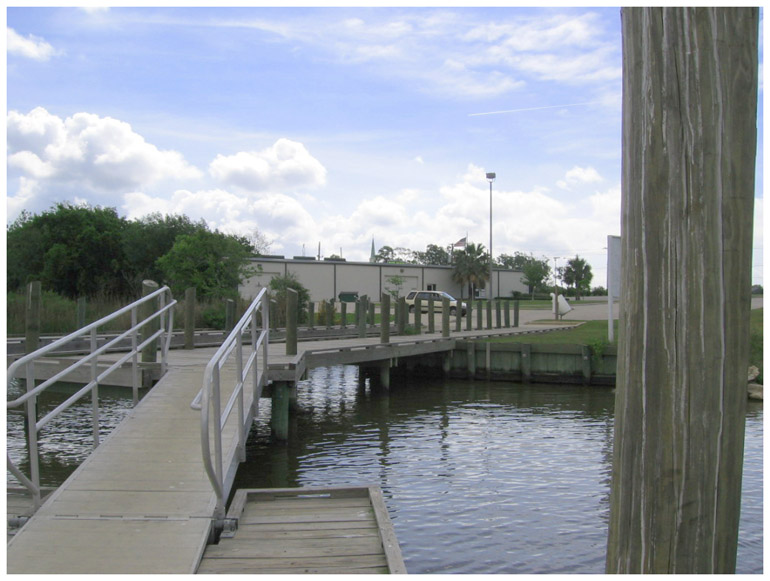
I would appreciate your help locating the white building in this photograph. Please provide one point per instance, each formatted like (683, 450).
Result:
(327, 279)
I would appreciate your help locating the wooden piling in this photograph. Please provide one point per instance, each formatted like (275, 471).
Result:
(385, 319)
(32, 324)
(445, 317)
(81, 316)
(689, 148)
(279, 411)
(189, 318)
(292, 298)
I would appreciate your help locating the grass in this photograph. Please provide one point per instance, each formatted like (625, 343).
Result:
(594, 333)
(589, 333)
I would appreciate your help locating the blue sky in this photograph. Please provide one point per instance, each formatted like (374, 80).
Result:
(329, 125)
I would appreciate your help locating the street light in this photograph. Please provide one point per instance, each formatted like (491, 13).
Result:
(491, 177)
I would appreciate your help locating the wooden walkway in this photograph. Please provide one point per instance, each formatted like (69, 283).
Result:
(141, 502)
(307, 530)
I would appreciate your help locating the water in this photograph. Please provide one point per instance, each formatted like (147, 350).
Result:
(478, 477)
(68, 440)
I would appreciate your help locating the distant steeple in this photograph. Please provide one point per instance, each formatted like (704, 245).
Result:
(372, 255)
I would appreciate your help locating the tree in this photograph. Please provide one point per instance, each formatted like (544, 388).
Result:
(398, 282)
(536, 271)
(150, 237)
(434, 255)
(471, 267)
(279, 286)
(212, 262)
(74, 250)
(578, 275)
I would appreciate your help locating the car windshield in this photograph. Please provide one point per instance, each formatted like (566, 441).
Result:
(447, 295)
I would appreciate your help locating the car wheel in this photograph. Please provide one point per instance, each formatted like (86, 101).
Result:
(411, 308)
(453, 311)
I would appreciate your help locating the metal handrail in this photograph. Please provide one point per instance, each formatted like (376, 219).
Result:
(209, 399)
(165, 314)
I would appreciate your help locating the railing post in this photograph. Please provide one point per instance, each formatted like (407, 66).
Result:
(81, 316)
(385, 319)
(150, 352)
(229, 315)
(445, 317)
(134, 357)
(94, 390)
(431, 315)
(291, 321)
(418, 315)
(189, 318)
(34, 460)
(32, 335)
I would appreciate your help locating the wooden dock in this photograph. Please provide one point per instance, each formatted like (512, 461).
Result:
(306, 530)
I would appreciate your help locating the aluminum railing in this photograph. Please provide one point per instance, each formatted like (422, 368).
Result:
(24, 368)
(209, 399)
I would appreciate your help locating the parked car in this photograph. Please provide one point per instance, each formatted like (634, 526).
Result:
(437, 297)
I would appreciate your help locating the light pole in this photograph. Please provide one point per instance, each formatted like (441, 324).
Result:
(491, 177)
(555, 290)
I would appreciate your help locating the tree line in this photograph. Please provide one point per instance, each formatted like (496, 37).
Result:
(85, 251)
(91, 251)
(471, 267)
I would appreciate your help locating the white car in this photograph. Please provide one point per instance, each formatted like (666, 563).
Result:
(438, 297)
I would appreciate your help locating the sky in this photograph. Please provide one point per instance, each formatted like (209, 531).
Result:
(330, 127)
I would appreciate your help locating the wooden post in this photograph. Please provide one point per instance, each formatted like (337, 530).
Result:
(431, 315)
(418, 315)
(292, 300)
(81, 322)
(310, 314)
(689, 149)
(385, 319)
(489, 312)
(516, 313)
(459, 317)
(507, 313)
(469, 316)
(229, 314)
(343, 314)
(32, 323)
(330, 314)
(403, 314)
(189, 318)
(150, 352)
(479, 316)
(361, 314)
(279, 411)
(445, 317)
(498, 320)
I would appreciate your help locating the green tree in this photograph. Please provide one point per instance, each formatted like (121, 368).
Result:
(279, 286)
(577, 274)
(433, 255)
(471, 267)
(212, 262)
(536, 272)
(150, 237)
(74, 250)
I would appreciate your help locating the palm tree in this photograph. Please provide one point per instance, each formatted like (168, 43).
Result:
(577, 273)
(471, 267)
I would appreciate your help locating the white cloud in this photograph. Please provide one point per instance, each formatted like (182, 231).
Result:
(31, 47)
(99, 152)
(578, 176)
(286, 164)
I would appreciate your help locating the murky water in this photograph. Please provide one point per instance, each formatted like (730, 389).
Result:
(478, 477)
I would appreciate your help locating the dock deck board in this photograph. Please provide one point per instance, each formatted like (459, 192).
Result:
(307, 530)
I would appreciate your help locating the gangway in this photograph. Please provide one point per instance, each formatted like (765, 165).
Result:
(151, 495)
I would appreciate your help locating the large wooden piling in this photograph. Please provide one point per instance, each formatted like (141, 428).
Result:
(689, 149)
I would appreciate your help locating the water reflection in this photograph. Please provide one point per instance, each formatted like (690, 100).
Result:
(67, 440)
(479, 477)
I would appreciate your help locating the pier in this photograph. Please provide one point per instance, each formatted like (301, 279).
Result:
(147, 500)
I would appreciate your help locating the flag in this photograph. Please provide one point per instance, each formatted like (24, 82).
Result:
(460, 243)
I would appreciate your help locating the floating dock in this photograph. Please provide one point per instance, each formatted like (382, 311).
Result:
(306, 530)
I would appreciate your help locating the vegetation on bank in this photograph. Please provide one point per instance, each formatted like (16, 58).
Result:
(595, 335)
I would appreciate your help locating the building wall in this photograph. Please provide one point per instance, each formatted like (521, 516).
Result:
(327, 279)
